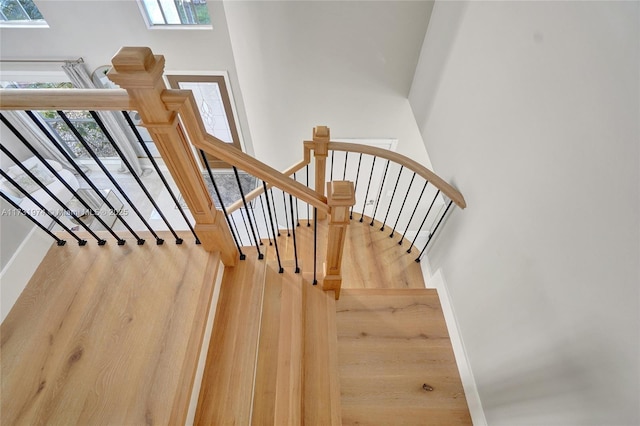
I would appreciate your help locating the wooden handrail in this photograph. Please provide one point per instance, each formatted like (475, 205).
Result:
(448, 190)
(183, 102)
(65, 99)
(259, 190)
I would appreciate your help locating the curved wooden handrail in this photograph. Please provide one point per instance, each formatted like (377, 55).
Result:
(183, 102)
(448, 190)
(65, 99)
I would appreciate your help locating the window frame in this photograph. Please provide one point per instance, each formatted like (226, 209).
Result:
(181, 26)
(175, 78)
(24, 23)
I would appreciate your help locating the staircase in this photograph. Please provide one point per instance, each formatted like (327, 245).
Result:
(284, 352)
(273, 352)
(278, 354)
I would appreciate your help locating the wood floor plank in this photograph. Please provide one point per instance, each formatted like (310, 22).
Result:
(102, 335)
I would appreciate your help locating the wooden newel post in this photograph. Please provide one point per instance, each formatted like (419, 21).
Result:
(340, 197)
(321, 137)
(139, 71)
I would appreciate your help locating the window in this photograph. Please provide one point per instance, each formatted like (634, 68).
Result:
(20, 12)
(81, 120)
(88, 129)
(167, 13)
(214, 103)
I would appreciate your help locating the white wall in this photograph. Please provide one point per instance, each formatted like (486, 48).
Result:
(534, 117)
(347, 65)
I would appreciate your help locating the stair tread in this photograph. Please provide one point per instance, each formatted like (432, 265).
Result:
(227, 385)
(322, 390)
(278, 384)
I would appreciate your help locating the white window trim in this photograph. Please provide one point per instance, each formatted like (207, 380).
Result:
(152, 26)
(40, 23)
(227, 82)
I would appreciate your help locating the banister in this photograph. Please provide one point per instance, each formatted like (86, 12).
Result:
(66, 99)
(448, 190)
(183, 102)
(260, 190)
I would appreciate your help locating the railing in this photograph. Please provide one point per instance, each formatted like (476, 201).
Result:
(419, 184)
(70, 198)
(173, 121)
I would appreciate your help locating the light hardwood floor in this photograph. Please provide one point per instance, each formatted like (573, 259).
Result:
(110, 335)
(371, 259)
(107, 335)
(392, 342)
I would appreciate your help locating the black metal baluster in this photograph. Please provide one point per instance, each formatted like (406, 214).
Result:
(364, 205)
(98, 120)
(286, 218)
(355, 186)
(413, 213)
(273, 230)
(106, 172)
(315, 244)
(253, 213)
(402, 206)
(332, 153)
(244, 201)
(81, 241)
(100, 241)
(246, 227)
(161, 175)
(297, 212)
(264, 216)
(308, 216)
(393, 194)
(293, 229)
(346, 160)
(423, 221)
(431, 234)
(275, 212)
(60, 178)
(384, 177)
(236, 234)
(84, 176)
(59, 241)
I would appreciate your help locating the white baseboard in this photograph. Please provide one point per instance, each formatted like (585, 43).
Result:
(436, 280)
(197, 383)
(16, 274)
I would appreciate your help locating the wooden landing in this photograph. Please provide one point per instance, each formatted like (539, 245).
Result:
(107, 335)
(371, 259)
(391, 343)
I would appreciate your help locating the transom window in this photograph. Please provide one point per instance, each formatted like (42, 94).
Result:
(20, 12)
(167, 13)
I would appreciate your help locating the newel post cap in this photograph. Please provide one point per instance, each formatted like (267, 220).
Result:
(321, 133)
(341, 193)
(136, 67)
